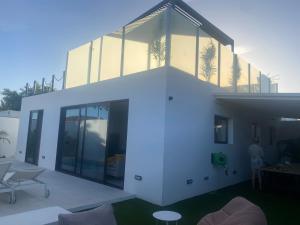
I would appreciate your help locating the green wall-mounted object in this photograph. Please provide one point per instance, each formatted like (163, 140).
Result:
(219, 159)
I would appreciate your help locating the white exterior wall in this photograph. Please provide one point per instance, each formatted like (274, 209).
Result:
(168, 141)
(189, 140)
(145, 138)
(11, 126)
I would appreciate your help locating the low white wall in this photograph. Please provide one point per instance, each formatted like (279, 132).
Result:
(145, 142)
(10, 126)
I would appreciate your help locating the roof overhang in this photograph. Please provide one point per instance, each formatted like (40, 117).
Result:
(188, 11)
(273, 105)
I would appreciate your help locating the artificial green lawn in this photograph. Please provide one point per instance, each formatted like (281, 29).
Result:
(280, 210)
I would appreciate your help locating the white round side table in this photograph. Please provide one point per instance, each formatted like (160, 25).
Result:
(167, 216)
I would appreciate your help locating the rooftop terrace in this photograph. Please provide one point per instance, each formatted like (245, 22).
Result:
(170, 34)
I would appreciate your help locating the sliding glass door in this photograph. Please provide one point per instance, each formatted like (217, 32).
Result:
(34, 137)
(85, 132)
(95, 135)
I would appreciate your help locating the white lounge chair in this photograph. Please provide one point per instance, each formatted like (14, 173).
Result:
(23, 178)
(4, 175)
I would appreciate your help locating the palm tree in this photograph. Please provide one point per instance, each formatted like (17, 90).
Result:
(4, 136)
(208, 55)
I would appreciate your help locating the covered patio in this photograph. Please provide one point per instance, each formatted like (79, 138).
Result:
(69, 192)
(275, 120)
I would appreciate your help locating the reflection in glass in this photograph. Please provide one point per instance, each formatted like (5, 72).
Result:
(274, 88)
(183, 43)
(70, 136)
(208, 60)
(265, 84)
(226, 70)
(95, 142)
(78, 66)
(111, 56)
(241, 75)
(254, 80)
(92, 147)
(145, 44)
(221, 130)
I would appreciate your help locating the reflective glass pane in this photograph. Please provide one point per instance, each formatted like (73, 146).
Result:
(95, 60)
(78, 66)
(265, 84)
(183, 43)
(221, 129)
(70, 138)
(208, 58)
(226, 76)
(241, 75)
(145, 44)
(111, 56)
(254, 80)
(93, 161)
(274, 88)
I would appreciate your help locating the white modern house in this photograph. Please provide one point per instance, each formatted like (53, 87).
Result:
(9, 127)
(145, 107)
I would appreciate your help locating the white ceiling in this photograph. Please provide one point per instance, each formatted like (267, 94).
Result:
(275, 105)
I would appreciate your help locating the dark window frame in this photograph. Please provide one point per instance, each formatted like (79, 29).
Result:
(40, 118)
(217, 117)
(59, 149)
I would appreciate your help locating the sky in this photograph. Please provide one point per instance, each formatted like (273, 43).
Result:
(35, 35)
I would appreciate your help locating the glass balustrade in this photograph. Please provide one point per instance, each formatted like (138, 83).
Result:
(142, 46)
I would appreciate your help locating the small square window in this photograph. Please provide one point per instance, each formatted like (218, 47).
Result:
(221, 130)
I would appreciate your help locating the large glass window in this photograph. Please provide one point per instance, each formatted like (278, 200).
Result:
(208, 58)
(145, 44)
(183, 43)
(78, 66)
(111, 56)
(254, 80)
(93, 159)
(92, 142)
(226, 70)
(221, 130)
(241, 74)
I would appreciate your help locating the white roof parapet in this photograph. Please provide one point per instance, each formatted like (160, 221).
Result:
(10, 114)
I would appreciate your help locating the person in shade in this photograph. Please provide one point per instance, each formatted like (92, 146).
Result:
(256, 153)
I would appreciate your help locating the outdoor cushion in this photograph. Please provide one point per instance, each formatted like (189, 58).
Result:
(238, 211)
(102, 215)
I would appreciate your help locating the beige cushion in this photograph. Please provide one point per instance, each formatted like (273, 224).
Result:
(238, 211)
(100, 216)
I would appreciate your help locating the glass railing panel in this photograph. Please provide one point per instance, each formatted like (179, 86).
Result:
(265, 84)
(226, 68)
(208, 58)
(145, 44)
(78, 66)
(241, 74)
(110, 66)
(183, 43)
(254, 80)
(274, 88)
(95, 60)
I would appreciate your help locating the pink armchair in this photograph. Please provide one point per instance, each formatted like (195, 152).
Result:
(238, 211)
